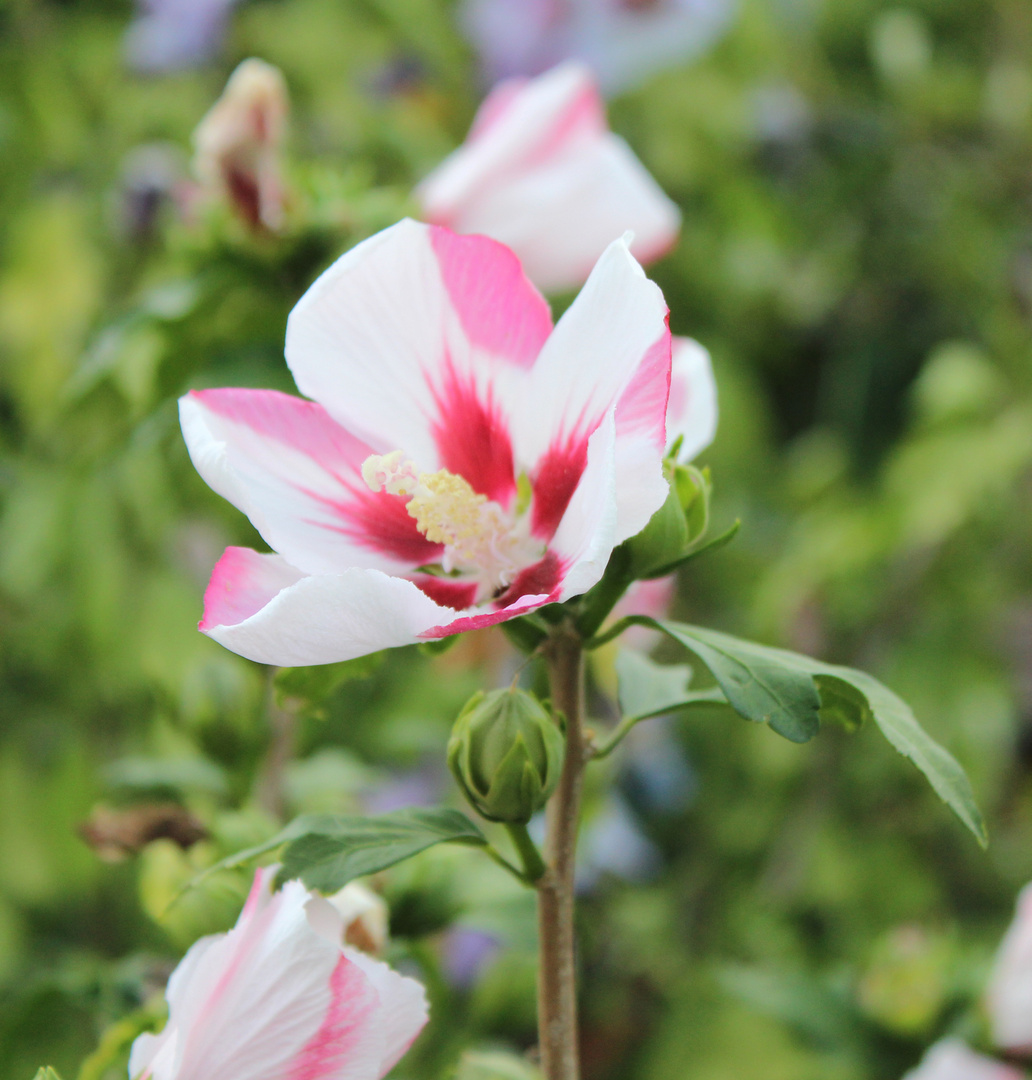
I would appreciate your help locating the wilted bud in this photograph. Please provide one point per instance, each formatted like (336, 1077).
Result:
(506, 752)
(239, 143)
(364, 916)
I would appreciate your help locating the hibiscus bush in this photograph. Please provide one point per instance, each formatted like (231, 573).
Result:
(809, 219)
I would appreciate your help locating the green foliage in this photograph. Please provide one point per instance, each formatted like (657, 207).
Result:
(494, 1066)
(793, 694)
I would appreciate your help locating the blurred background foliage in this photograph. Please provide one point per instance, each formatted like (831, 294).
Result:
(856, 181)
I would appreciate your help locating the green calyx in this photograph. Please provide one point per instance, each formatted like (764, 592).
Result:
(506, 753)
(677, 526)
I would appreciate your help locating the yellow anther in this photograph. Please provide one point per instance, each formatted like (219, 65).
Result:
(447, 510)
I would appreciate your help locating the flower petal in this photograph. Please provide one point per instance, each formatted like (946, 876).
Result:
(403, 1008)
(296, 473)
(950, 1059)
(692, 409)
(616, 331)
(258, 995)
(1009, 996)
(318, 619)
(541, 172)
(414, 340)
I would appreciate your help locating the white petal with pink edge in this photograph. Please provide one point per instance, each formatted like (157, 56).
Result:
(541, 172)
(275, 1000)
(296, 473)
(314, 619)
(610, 347)
(521, 124)
(417, 339)
(692, 409)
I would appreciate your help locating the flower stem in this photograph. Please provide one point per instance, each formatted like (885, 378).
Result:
(530, 857)
(557, 983)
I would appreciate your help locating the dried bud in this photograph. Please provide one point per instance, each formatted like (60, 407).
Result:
(506, 752)
(116, 834)
(364, 916)
(239, 143)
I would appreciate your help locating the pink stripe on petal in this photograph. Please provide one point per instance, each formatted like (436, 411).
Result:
(344, 1029)
(540, 579)
(499, 309)
(301, 424)
(554, 482)
(473, 439)
(241, 584)
(489, 618)
(642, 407)
(459, 595)
(381, 522)
(494, 107)
(583, 115)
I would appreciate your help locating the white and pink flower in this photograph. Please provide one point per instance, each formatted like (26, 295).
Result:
(1009, 998)
(466, 463)
(952, 1059)
(541, 172)
(280, 998)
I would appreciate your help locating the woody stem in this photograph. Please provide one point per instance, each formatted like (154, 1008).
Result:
(557, 982)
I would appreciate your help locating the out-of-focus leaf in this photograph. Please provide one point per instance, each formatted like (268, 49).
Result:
(313, 685)
(140, 775)
(47, 1073)
(496, 1065)
(355, 846)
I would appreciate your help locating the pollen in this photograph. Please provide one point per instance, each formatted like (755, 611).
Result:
(478, 536)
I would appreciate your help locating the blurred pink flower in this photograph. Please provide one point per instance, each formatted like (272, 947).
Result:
(623, 41)
(951, 1059)
(467, 464)
(239, 144)
(541, 172)
(1009, 998)
(280, 998)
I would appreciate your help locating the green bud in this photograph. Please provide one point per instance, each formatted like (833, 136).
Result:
(495, 1066)
(506, 752)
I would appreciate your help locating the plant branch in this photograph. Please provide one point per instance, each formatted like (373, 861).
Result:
(557, 983)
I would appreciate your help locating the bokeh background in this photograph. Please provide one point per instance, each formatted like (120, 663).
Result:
(856, 183)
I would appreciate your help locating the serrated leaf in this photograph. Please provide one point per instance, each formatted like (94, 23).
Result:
(328, 858)
(753, 675)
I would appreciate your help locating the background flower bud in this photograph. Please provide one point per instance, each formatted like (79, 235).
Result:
(506, 752)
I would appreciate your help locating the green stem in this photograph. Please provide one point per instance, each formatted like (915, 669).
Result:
(533, 864)
(557, 983)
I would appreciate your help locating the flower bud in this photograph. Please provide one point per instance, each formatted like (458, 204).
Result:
(676, 526)
(506, 752)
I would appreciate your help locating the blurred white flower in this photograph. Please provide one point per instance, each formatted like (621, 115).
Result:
(1009, 998)
(541, 172)
(951, 1059)
(623, 41)
(239, 144)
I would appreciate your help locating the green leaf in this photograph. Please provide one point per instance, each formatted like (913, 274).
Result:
(647, 688)
(766, 684)
(350, 847)
(711, 545)
(757, 685)
(47, 1074)
(496, 1065)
